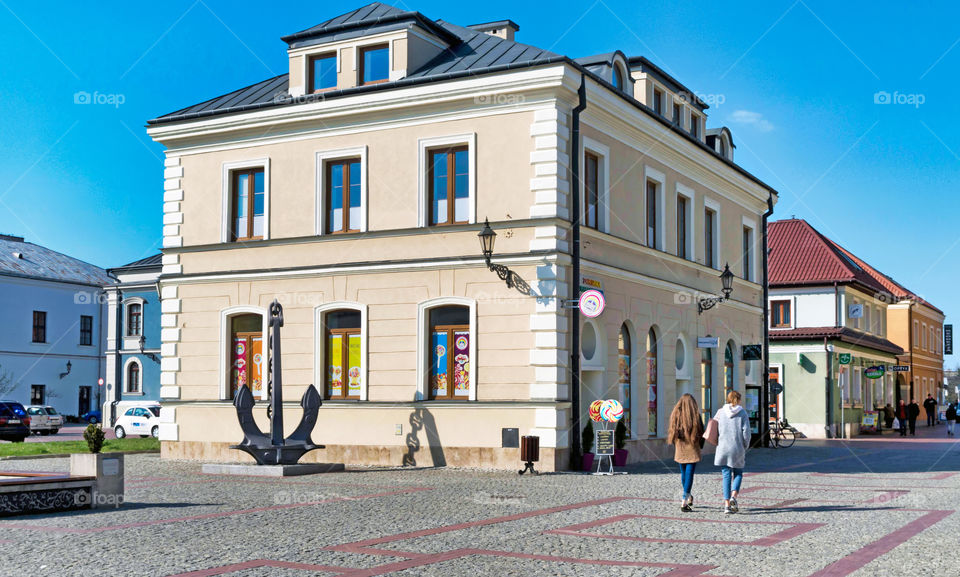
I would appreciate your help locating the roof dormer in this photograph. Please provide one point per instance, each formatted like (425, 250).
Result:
(613, 68)
(721, 141)
(371, 45)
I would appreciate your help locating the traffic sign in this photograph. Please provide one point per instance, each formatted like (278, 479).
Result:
(100, 382)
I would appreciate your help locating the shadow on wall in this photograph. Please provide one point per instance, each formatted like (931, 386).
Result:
(422, 419)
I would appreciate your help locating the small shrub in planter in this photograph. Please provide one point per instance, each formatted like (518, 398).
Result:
(587, 444)
(94, 436)
(620, 441)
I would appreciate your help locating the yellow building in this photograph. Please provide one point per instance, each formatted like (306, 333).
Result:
(352, 190)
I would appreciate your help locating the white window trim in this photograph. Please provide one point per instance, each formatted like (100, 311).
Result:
(691, 196)
(325, 156)
(598, 361)
(125, 376)
(226, 345)
(225, 179)
(132, 341)
(423, 331)
(684, 374)
(754, 253)
(634, 403)
(717, 237)
(373, 42)
(650, 173)
(424, 144)
(603, 195)
(319, 344)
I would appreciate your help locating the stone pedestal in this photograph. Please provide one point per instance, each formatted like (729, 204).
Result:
(107, 468)
(271, 470)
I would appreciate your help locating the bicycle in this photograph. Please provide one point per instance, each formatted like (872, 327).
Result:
(782, 435)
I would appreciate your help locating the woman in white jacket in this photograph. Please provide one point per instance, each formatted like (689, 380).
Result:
(733, 426)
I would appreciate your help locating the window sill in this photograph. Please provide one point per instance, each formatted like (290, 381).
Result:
(140, 394)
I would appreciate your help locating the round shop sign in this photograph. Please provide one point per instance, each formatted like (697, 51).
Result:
(591, 303)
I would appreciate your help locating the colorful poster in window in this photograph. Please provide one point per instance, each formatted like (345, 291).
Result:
(335, 365)
(652, 396)
(438, 363)
(255, 367)
(239, 364)
(461, 364)
(353, 361)
(623, 370)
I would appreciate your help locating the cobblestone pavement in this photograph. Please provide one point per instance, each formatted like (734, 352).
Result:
(829, 508)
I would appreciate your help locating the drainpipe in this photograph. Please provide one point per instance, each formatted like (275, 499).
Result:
(764, 391)
(575, 256)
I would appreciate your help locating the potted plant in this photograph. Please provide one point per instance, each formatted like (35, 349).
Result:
(107, 469)
(620, 440)
(587, 444)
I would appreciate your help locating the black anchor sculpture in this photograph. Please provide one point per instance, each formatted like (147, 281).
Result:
(275, 450)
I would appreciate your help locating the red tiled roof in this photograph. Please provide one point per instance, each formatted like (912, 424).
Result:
(843, 334)
(799, 255)
(895, 288)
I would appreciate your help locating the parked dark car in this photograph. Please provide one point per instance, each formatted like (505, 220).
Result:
(93, 417)
(14, 422)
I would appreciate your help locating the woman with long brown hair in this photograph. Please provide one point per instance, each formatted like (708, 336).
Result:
(686, 435)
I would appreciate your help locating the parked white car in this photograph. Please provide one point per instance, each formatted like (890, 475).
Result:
(44, 419)
(143, 421)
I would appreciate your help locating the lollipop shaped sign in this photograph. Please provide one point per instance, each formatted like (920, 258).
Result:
(611, 410)
(595, 411)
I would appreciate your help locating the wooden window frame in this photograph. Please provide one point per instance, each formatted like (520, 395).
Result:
(133, 385)
(682, 226)
(86, 333)
(776, 314)
(139, 320)
(311, 79)
(360, 68)
(344, 362)
(251, 201)
(651, 215)
(328, 194)
(451, 330)
(591, 191)
(247, 337)
(709, 237)
(451, 152)
(40, 326)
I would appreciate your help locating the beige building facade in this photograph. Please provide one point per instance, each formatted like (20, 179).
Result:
(353, 193)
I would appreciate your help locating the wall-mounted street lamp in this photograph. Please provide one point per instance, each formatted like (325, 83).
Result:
(142, 343)
(487, 239)
(726, 277)
(69, 366)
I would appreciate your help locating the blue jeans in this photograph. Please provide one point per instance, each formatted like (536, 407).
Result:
(737, 478)
(686, 477)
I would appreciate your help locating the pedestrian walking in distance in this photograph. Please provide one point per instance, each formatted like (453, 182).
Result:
(685, 433)
(913, 411)
(903, 414)
(956, 408)
(733, 439)
(888, 415)
(930, 406)
(951, 418)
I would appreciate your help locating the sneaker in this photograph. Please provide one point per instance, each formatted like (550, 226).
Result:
(686, 508)
(727, 510)
(734, 507)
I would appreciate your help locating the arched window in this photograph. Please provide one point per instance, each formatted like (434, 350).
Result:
(624, 368)
(652, 361)
(706, 384)
(246, 355)
(134, 319)
(449, 352)
(133, 377)
(728, 368)
(342, 354)
(617, 77)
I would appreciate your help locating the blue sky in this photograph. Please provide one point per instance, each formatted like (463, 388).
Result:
(795, 81)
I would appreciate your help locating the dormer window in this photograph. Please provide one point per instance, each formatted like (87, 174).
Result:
(694, 126)
(677, 114)
(618, 78)
(323, 72)
(658, 101)
(374, 64)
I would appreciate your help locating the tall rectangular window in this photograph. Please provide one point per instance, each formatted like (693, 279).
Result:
(916, 334)
(682, 227)
(780, 314)
(38, 394)
(374, 64)
(677, 114)
(694, 126)
(658, 101)
(343, 354)
(343, 195)
(86, 330)
(39, 326)
(449, 353)
(322, 70)
(652, 226)
(591, 191)
(747, 253)
(134, 319)
(248, 200)
(448, 176)
(709, 238)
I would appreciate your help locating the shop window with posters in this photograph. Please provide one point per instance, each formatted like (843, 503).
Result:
(624, 367)
(246, 352)
(652, 360)
(449, 353)
(343, 354)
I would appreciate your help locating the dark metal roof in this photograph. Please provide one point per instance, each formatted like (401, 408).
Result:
(151, 262)
(374, 14)
(842, 334)
(27, 260)
(495, 24)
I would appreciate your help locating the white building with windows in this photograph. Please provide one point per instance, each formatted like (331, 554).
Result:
(52, 342)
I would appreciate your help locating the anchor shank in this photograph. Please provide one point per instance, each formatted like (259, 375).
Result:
(276, 376)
